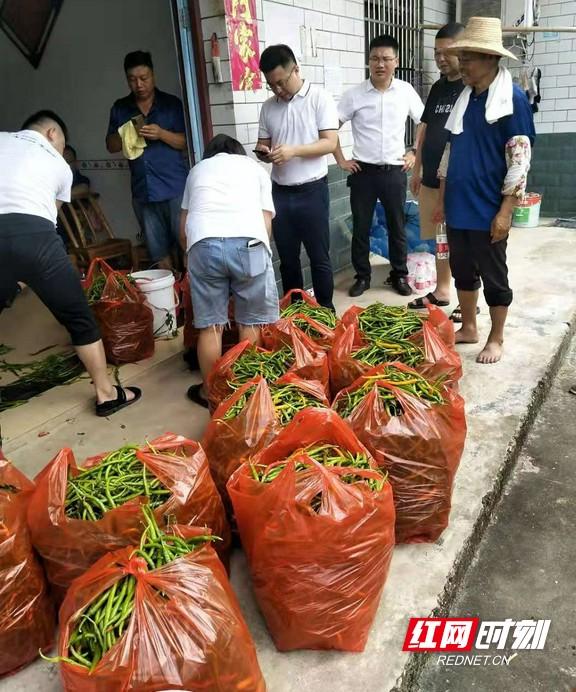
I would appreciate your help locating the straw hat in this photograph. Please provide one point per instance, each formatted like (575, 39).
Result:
(482, 35)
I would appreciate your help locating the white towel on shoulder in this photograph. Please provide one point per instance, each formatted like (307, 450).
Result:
(499, 102)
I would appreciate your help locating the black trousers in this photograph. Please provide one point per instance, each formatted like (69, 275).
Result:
(387, 184)
(302, 218)
(475, 261)
(32, 252)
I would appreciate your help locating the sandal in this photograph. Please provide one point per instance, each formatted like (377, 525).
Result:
(428, 299)
(572, 389)
(107, 408)
(194, 393)
(456, 315)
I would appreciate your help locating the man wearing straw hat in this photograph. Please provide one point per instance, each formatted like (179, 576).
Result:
(483, 174)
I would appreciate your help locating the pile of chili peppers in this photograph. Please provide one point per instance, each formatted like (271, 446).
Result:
(118, 478)
(288, 399)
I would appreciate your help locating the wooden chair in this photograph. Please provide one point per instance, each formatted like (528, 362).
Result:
(90, 234)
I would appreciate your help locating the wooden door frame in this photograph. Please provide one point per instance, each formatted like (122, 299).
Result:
(200, 60)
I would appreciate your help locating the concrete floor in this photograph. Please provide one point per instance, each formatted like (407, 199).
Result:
(500, 399)
(526, 564)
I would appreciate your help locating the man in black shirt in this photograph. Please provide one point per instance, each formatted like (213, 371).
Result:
(424, 183)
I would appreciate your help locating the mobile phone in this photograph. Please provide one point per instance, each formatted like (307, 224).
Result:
(138, 121)
(253, 243)
(261, 153)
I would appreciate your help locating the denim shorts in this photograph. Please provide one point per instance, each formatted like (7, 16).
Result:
(160, 223)
(222, 267)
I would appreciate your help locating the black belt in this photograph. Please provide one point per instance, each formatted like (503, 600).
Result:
(380, 166)
(304, 187)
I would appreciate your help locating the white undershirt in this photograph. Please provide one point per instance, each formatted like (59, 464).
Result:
(295, 122)
(225, 196)
(379, 119)
(33, 175)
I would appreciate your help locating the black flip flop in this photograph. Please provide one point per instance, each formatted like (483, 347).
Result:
(572, 389)
(430, 298)
(107, 408)
(456, 315)
(194, 394)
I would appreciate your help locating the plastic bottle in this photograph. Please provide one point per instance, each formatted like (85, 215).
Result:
(442, 252)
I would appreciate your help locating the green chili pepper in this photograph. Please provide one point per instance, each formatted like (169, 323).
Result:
(118, 478)
(288, 399)
(410, 382)
(318, 313)
(104, 621)
(328, 455)
(270, 364)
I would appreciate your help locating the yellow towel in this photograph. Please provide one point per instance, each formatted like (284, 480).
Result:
(132, 143)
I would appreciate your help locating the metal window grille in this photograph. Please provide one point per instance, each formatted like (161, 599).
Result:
(401, 19)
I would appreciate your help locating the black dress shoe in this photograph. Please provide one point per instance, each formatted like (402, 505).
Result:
(401, 286)
(358, 288)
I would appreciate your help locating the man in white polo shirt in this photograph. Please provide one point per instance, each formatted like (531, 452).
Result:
(35, 181)
(378, 109)
(298, 128)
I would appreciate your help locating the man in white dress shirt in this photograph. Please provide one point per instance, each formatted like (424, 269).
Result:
(378, 109)
(298, 128)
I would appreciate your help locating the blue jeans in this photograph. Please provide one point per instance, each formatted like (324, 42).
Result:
(302, 218)
(160, 222)
(220, 267)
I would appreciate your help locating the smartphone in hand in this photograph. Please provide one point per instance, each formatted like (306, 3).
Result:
(138, 121)
(262, 155)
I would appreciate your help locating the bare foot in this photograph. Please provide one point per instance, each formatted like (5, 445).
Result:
(466, 336)
(491, 353)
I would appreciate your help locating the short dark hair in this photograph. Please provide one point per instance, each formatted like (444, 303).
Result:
(450, 30)
(279, 55)
(71, 149)
(223, 144)
(384, 41)
(43, 118)
(138, 58)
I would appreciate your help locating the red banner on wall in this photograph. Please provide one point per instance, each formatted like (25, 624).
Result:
(242, 28)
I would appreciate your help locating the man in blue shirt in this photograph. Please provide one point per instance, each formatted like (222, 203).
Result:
(159, 173)
(483, 174)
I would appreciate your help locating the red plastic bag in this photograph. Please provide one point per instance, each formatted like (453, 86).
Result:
(27, 617)
(126, 323)
(230, 333)
(186, 632)
(69, 546)
(228, 443)
(421, 450)
(319, 333)
(440, 361)
(310, 362)
(317, 577)
(297, 294)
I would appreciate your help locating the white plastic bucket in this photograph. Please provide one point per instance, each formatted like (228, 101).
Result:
(527, 212)
(157, 285)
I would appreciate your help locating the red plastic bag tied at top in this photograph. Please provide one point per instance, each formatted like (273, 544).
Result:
(318, 536)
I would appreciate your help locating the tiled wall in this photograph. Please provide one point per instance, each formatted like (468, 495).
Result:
(553, 159)
(556, 57)
(434, 12)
